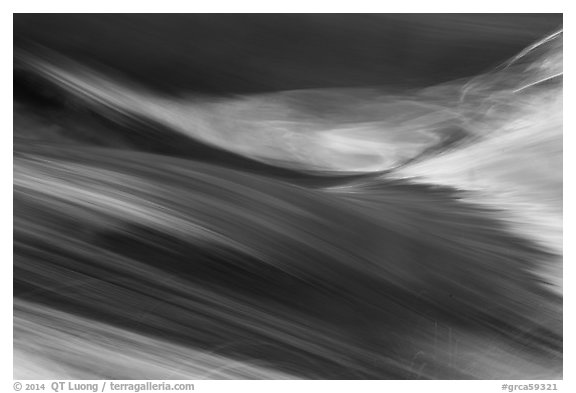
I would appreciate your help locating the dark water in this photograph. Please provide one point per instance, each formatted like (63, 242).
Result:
(267, 52)
(288, 196)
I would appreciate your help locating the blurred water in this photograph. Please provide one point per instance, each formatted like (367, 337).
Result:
(382, 231)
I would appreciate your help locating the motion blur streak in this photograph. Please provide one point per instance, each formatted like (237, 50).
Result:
(341, 233)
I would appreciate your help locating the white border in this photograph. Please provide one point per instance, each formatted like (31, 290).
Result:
(243, 6)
